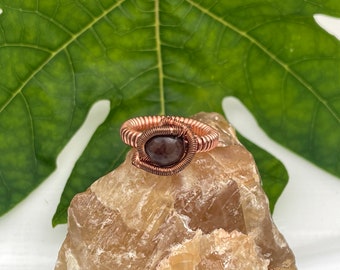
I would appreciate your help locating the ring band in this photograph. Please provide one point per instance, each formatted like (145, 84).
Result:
(166, 144)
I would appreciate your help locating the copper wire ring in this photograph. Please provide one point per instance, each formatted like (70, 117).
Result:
(186, 134)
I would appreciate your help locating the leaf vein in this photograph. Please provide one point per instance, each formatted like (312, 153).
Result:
(138, 75)
(74, 86)
(159, 57)
(29, 46)
(31, 123)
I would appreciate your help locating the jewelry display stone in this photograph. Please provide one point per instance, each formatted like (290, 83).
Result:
(213, 214)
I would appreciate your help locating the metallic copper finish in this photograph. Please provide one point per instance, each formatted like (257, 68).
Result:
(198, 137)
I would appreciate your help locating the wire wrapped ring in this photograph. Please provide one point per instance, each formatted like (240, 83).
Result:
(165, 145)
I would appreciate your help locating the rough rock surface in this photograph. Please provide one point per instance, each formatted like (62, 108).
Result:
(212, 215)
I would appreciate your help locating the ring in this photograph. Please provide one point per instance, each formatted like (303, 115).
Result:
(165, 145)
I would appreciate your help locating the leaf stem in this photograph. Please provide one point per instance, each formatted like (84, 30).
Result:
(159, 58)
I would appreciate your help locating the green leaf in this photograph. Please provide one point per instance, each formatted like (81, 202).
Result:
(153, 57)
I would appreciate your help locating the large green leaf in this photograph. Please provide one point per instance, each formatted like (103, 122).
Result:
(154, 57)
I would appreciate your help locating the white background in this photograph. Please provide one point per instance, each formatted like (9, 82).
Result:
(307, 213)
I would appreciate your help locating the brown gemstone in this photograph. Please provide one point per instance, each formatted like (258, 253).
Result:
(165, 150)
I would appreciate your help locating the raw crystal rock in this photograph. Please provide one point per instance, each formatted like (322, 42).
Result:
(212, 215)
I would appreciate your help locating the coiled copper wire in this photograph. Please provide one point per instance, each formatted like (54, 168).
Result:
(206, 136)
(198, 136)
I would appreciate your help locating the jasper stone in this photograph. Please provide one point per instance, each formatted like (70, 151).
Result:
(165, 150)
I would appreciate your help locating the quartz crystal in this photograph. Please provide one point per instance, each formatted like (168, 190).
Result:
(212, 215)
